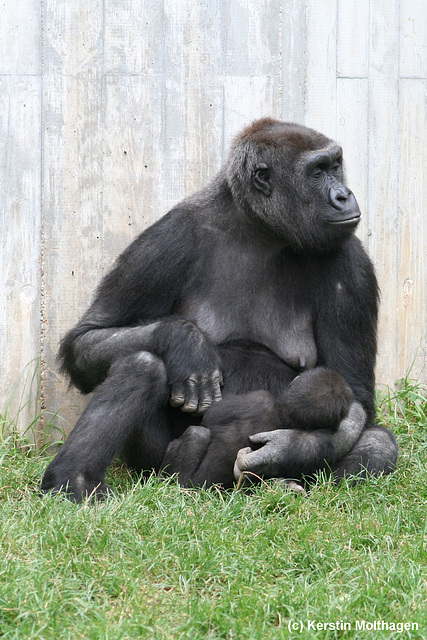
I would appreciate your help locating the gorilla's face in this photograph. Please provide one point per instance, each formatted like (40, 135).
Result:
(296, 186)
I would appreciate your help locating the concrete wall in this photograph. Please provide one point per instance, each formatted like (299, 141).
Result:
(113, 110)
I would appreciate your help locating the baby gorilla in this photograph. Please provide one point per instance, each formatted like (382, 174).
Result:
(316, 400)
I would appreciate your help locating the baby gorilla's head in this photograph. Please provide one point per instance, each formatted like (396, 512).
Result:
(317, 399)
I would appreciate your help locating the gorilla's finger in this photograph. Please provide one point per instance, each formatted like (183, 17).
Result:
(237, 470)
(349, 430)
(210, 392)
(357, 413)
(205, 399)
(250, 460)
(217, 383)
(261, 438)
(191, 396)
(177, 398)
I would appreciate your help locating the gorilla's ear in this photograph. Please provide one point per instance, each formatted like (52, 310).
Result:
(261, 179)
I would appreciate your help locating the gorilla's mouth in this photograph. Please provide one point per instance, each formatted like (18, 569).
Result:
(349, 221)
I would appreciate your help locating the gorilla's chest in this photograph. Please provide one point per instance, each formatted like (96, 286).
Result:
(248, 296)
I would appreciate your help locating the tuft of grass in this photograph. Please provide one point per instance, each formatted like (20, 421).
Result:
(404, 411)
(161, 562)
(37, 437)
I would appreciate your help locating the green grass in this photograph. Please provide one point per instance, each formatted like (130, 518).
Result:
(161, 562)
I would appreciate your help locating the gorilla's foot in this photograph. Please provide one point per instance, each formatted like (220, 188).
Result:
(184, 455)
(290, 485)
(78, 488)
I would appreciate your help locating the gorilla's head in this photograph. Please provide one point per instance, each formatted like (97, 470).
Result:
(291, 179)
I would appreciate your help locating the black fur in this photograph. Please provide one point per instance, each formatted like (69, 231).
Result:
(205, 455)
(240, 288)
(317, 399)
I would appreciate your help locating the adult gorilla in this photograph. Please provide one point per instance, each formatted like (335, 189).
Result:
(244, 285)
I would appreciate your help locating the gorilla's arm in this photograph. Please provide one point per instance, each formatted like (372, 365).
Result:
(346, 327)
(133, 311)
(290, 453)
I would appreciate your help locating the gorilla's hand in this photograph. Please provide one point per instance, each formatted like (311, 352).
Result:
(276, 446)
(197, 392)
(286, 452)
(192, 364)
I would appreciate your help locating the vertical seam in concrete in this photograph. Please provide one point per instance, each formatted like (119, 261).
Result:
(42, 223)
(280, 70)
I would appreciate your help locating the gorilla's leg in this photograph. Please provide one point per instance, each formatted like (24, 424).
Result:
(375, 452)
(128, 412)
(205, 455)
(184, 455)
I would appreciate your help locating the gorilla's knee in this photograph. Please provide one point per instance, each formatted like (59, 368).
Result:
(380, 447)
(375, 453)
(263, 403)
(184, 454)
(142, 367)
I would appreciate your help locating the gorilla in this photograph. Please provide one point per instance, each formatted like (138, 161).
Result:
(237, 332)
(316, 399)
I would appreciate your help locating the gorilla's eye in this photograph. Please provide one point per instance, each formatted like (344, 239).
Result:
(326, 167)
(319, 170)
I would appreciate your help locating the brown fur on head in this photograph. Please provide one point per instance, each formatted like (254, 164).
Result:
(270, 132)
